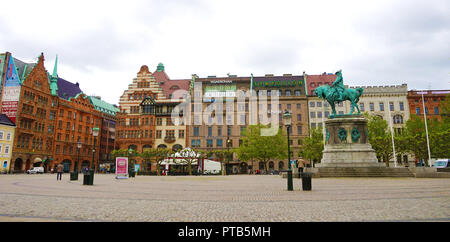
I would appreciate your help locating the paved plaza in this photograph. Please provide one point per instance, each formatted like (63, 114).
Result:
(239, 198)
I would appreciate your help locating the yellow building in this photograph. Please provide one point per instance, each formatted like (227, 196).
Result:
(7, 129)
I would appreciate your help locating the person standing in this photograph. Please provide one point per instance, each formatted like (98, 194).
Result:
(59, 170)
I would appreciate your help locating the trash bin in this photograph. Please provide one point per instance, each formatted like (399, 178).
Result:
(88, 178)
(74, 176)
(306, 181)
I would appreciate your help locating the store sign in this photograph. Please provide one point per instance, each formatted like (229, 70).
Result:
(226, 90)
(121, 167)
(278, 83)
(11, 93)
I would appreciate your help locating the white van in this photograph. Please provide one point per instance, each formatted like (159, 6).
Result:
(36, 170)
(442, 163)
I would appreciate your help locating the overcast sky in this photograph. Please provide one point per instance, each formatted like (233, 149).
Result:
(102, 44)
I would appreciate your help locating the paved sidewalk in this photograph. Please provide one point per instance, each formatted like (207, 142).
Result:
(240, 198)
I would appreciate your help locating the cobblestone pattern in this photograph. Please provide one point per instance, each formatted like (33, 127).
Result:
(241, 198)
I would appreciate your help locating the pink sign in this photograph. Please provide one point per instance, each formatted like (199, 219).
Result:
(121, 167)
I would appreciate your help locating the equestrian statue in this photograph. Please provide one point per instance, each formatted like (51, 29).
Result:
(337, 93)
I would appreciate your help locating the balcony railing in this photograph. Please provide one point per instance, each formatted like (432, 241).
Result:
(169, 139)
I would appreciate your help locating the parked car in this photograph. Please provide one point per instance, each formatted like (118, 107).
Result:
(36, 170)
(442, 163)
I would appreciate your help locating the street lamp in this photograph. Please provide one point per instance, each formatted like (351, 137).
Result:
(78, 159)
(95, 134)
(228, 154)
(287, 117)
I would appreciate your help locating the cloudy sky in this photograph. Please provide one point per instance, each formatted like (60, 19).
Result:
(102, 44)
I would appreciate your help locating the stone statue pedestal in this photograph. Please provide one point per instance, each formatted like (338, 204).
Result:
(347, 143)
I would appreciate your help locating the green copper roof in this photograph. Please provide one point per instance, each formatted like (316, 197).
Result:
(54, 79)
(160, 67)
(103, 106)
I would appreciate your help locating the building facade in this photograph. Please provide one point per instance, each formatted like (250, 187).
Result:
(431, 100)
(107, 134)
(35, 118)
(314, 81)
(7, 131)
(144, 119)
(74, 140)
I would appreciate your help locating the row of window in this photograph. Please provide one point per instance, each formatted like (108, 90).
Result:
(4, 149)
(80, 117)
(135, 134)
(219, 142)
(381, 106)
(141, 96)
(36, 143)
(70, 150)
(87, 140)
(2, 135)
(436, 110)
(196, 131)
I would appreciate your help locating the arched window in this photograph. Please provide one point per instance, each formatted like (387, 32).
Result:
(398, 119)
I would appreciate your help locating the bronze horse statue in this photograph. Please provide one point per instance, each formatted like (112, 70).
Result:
(338, 93)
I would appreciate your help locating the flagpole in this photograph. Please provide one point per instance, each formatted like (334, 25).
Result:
(426, 130)
(392, 134)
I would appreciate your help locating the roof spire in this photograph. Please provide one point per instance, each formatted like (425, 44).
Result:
(55, 69)
(54, 79)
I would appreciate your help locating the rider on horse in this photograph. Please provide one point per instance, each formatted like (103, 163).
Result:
(338, 86)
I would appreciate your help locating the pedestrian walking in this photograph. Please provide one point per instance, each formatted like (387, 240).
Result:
(59, 170)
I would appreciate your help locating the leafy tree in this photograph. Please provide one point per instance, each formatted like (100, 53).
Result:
(223, 155)
(312, 148)
(262, 148)
(380, 138)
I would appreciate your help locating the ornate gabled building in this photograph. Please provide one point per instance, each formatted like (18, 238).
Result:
(144, 120)
(34, 114)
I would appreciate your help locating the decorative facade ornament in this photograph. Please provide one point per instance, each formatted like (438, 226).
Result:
(342, 134)
(355, 134)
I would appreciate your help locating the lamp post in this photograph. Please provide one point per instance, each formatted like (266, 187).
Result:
(287, 117)
(228, 154)
(91, 173)
(78, 158)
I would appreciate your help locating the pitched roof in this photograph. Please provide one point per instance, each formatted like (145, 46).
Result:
(23, 69)
(169, 86)
(321, 78)
(67, 89)
(5, 120)
(103, 106)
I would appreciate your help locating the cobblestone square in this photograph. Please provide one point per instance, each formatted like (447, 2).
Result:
(238, 198)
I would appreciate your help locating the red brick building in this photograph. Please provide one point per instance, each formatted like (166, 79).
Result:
(432, 100)
(314, 81)
(75, 119)
(35, 119)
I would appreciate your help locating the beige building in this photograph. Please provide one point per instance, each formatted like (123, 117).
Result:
(387, 102)
(319, 110)
(7, 131)
(144, 120)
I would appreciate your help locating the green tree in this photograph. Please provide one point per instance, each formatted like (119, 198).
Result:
(262, 148)
(380, 138)
(312, 147)
(223, 155)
